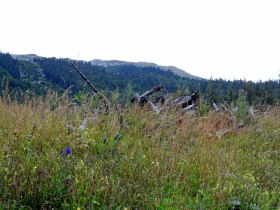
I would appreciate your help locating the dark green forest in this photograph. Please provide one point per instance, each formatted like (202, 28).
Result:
(41, 74)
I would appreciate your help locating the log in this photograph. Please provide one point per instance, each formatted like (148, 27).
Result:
(186, 103)
(135, 98)
(160, 99)
(189, 108)
(143, 99)
(154, 107)
(177, 100)
(215, 107)
(154, 89)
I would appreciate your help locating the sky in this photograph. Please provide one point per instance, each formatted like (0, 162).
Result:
(228, 39)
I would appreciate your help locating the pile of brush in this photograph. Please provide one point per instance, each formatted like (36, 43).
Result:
(157, 99)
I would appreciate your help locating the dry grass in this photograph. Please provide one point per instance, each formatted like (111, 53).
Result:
(156, 162)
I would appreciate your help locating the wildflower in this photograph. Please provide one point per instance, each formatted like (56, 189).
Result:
(66, 152)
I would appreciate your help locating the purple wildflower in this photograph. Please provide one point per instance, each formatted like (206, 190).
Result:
(66, 152)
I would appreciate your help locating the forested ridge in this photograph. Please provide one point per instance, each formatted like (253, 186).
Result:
(41, 74)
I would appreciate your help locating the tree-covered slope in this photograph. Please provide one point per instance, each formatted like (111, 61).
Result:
(40, 74)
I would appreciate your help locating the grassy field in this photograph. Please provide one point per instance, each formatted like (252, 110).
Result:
(170, 161)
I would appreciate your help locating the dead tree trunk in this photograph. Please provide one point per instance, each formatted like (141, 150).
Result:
(185, 103)
(143, 99)
(102, 98)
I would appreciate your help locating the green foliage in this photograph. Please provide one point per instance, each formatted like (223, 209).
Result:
(128, 94)
(211, 96)
(242, 105)
(229, 95)
(168, 161)
(79, 97)
(278, 92)
(203, 106)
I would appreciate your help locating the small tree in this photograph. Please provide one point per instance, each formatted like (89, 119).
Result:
(278, 91)
(210, 92)
(229, 95)
(242, 105)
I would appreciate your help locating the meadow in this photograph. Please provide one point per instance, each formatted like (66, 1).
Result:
(166, 161)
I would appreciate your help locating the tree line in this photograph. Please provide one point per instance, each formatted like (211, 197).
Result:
(59, 75)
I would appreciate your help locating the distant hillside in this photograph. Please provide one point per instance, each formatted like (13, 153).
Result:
(111, 77)
(27, 57)
(110, 63)
(39, 74)
(175, 70)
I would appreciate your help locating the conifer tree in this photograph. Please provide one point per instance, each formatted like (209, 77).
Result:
(210, 92)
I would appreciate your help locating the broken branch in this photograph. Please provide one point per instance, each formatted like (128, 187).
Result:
(95, 90)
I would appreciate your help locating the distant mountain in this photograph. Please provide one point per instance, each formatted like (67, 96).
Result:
(27, 57)
(174, 69)
(110, 63)
(30, 71)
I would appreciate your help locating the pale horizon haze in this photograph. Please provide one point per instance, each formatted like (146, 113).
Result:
(220, 38)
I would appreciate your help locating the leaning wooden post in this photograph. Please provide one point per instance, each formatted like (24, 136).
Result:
(95, 90)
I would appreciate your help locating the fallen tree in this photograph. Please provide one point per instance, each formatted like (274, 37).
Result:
(184, 103)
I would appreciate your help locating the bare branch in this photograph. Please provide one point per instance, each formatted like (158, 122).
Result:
(189, 108)
(150, 92)
(95, 90)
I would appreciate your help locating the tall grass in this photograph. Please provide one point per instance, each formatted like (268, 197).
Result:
(170, 161)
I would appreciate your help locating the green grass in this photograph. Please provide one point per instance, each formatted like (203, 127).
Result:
(158, 162)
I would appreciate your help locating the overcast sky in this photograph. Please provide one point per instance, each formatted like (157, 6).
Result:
(219, 38)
